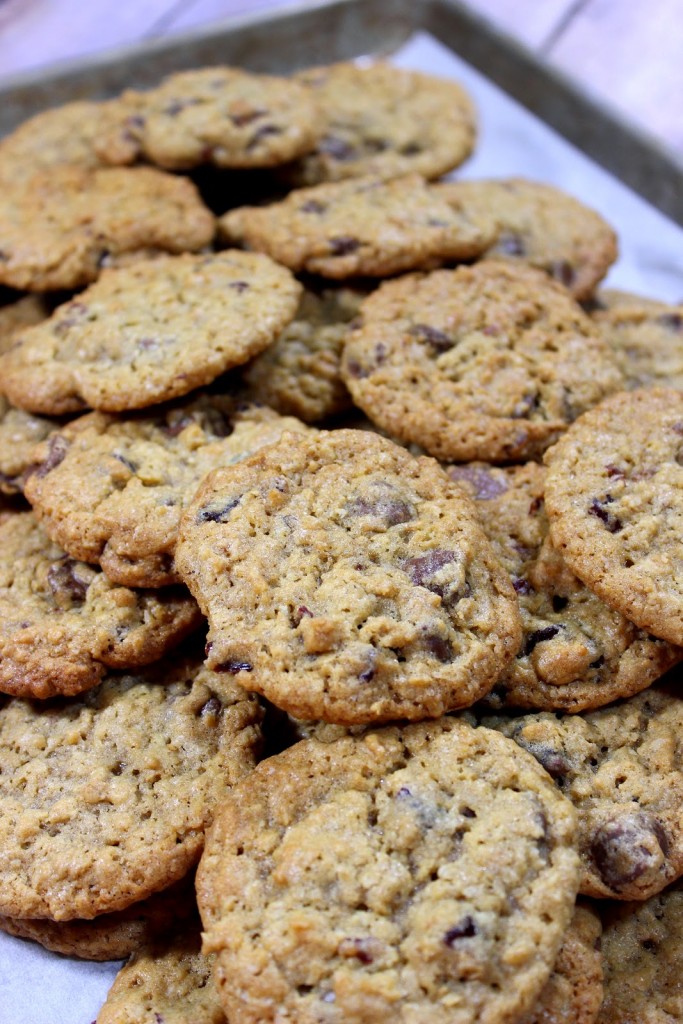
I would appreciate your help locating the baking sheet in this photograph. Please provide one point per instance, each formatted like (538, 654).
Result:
(37, 987)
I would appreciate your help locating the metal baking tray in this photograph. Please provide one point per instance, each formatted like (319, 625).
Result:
(322, 31)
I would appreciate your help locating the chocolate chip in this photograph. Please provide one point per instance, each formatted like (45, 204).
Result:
(211, 707)
(563, 272)
(538, 637)
(233, 667)
(486, 485)
(628, 847)
(368, 673)
(343, 244)
(528, 403)
(149, 343)
(355, 370)
(613, 472)
(439, 341)
(599, 510)
(423, 568)
(262, 133)
(126, 462)
(522, 586)
(672, 321)
(410, 149)
(247, 117)
(176, 423)
(313, 206)
(534, 505)
(464, 929)
(63, 579)
(510, 244)
(239, 286)
(173, 108)
(336, 148)
(439, 646)
(391, 510)
(358, 948)
(554, 761)
(57, 447)
(217, 512)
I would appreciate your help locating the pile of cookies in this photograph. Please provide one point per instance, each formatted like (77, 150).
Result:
(428, 711)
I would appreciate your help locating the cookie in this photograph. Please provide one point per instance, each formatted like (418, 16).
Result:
(58, 226)
(614, 496)
(647, 341)
(20, 432)
(424, 873)
(345, 580)
(220, 115)
(299, 374)
(387, 121)
(63, 623)
(488, 362)
(577, 652)
(105, 799)
(360, 226)
(18, 313)
(150, 332)
(111, 936)
(51, 139)
(167, 982)
(542, 226)
(573, 993)
(621, 767)
(642, 949)
(111, 490)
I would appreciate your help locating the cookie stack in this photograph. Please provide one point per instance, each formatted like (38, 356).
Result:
(424, 715)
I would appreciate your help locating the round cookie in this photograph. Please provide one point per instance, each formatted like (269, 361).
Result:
(573, 993)
(345, 580)
(63, 623)
(577, 652)
(621, 767)
(20, 432)
(387, 121)
(642, 949)
(489, 362)
(104, 799)
(542, 226)
(647, 341)
(614, 497)
(299, 374)
(111, 490)
(424, 873)
(220, 115)
(150, 332)
(168, 982)
(360, 226)
(61, 135)
(58, 226)
(111, 936)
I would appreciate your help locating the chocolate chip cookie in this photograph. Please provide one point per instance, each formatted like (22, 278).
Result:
(111, 936)
(491, 362)
(614, 496)
(647, 341)
(111, 489)
(220, 115)
(63, 623)
(424, 873)
(642, 948)
(57, 227)
(150, 332)
(61, 136)
(104, 799)
(621, 767)
(346, 580)
(360, 226)
(542, 226)
(577, 652)
(384, 120)
(20, 432)
(299, 374)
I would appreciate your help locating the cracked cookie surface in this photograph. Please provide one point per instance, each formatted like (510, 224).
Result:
(348, 581)
(149, 332)
(63, 624)
(220, 115)
(492, 361)
(577, 652)
(355, 227)
(112, 489)
(620, 766)
(384, 120)
(352, 881)
(614, 497)
(105, 798)
(58, 227)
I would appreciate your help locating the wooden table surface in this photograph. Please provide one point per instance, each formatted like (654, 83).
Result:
(625, 52)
